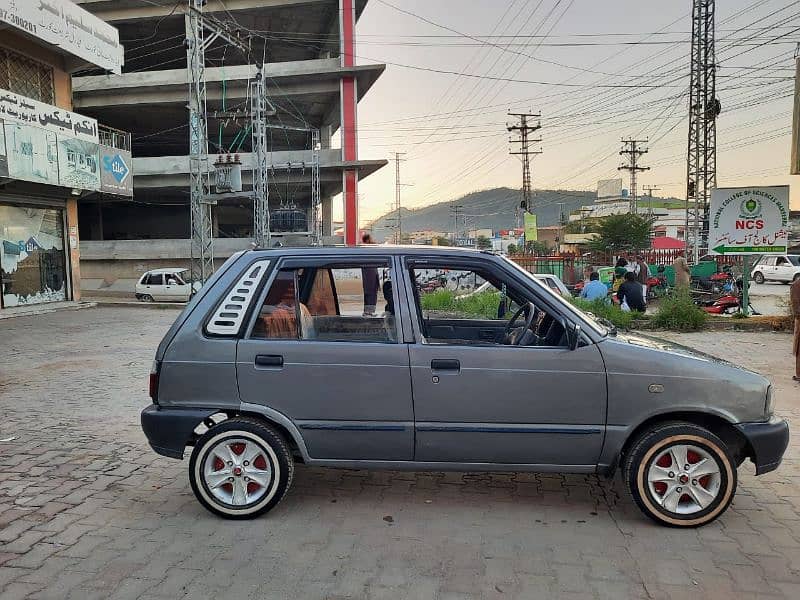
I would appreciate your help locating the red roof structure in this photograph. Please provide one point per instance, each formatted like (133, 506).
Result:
(667, 243)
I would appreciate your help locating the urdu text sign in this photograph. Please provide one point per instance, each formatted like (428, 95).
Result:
(749, 220)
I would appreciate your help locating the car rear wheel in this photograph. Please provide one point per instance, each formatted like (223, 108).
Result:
(240, 468)
(680, 474)
(759, 277)
(146, 298)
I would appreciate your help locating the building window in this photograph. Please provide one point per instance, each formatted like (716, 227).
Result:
(26, 77)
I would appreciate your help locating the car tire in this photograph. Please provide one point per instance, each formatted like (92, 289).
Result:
(669, 493)
(796, 277)
(257, 462)
(146, 298)
(758, 277)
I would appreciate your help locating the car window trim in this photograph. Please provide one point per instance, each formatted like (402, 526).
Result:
(297, 262)
(409, 263)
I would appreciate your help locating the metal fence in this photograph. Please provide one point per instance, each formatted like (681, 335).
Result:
(569, 267)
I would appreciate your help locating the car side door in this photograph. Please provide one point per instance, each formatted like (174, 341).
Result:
(482, 401)
(316, 353)
(784, 269)
(155, 286)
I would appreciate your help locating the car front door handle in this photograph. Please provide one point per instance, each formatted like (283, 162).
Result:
(444, 364)
(269, 361)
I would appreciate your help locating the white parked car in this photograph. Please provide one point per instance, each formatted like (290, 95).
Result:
(166, 285)
(781, 267)
(552, 282)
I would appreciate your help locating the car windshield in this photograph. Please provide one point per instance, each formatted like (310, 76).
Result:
(795, 259)
(589, 318)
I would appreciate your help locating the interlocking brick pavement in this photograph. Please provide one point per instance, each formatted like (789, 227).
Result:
(87, 510)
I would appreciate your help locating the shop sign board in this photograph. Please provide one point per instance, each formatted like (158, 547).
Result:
(115, 171)
(3, 156)
(27, 111)
(749, 220)
(78, 164)
(31, 153)
(64, 24)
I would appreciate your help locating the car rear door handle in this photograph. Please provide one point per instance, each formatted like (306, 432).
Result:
(445, 364)
(269, 361)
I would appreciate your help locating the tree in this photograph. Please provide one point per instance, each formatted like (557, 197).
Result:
(537, 247)
(512, 249)
(483, 243)
(442, 241)
(622, 233)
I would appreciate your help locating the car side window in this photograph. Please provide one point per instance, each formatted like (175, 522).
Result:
(156, 279)
(146, 280)
(277, 317)
(333, 303)
(462, 306)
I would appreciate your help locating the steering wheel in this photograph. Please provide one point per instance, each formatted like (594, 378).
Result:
(530, 312)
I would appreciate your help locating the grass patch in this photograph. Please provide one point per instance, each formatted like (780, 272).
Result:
(483, 305)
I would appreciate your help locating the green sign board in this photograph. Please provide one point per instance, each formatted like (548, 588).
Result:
(749, 220)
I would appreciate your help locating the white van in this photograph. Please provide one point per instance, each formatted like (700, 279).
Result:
(166, 285)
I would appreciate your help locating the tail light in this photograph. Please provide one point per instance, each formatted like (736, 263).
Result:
(154, 381)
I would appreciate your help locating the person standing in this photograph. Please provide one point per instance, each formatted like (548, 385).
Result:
(643, 274)
(794, 297)
(370, 282)
(630, 293)
(682, 271)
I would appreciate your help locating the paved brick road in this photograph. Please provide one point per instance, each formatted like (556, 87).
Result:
(87, 510)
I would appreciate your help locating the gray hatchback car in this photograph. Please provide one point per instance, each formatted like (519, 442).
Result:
(392, 358)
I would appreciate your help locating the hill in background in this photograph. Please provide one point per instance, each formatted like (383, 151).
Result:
(492, 209)
(487, 209)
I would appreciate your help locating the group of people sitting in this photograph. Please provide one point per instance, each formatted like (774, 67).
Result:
(629, 288)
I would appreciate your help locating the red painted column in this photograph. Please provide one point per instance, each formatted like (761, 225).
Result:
(349, 101)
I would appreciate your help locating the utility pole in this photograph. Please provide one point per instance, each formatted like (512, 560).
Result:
(258, 107)
(200, 203)
(398, 185)
(649, 189)
(633, 151)
(794, 167)
(704, 108)
(562, 221)
(455, 209)
(524, 129)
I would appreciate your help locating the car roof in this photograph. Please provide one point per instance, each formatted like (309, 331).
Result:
(371, 249)
(166, 270)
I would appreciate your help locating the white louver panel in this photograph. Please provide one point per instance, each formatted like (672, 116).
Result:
(229, 314)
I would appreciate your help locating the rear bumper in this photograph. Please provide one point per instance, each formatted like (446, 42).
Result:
(768, 440)
(168, 430)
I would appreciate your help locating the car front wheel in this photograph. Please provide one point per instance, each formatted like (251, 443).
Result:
(681, 475)
(759, 278)
(240, 468)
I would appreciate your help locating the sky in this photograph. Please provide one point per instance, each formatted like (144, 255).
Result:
(596, 71)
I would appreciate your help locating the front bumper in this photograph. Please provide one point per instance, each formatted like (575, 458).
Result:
(768, 440)
(168, 430)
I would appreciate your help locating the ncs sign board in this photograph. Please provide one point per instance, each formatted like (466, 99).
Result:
(749, 220)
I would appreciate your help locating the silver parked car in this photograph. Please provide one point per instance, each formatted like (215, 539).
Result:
(352, 358)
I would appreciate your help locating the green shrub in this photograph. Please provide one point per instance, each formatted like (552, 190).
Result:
(676, 311)
(611, 312)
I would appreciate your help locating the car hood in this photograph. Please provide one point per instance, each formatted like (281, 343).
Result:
(660, 345)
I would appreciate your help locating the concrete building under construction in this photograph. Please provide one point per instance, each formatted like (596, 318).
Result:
(306, 53)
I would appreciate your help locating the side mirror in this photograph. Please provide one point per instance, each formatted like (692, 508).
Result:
(574, 337)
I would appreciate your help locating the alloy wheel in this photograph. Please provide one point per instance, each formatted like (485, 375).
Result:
(684, 479)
